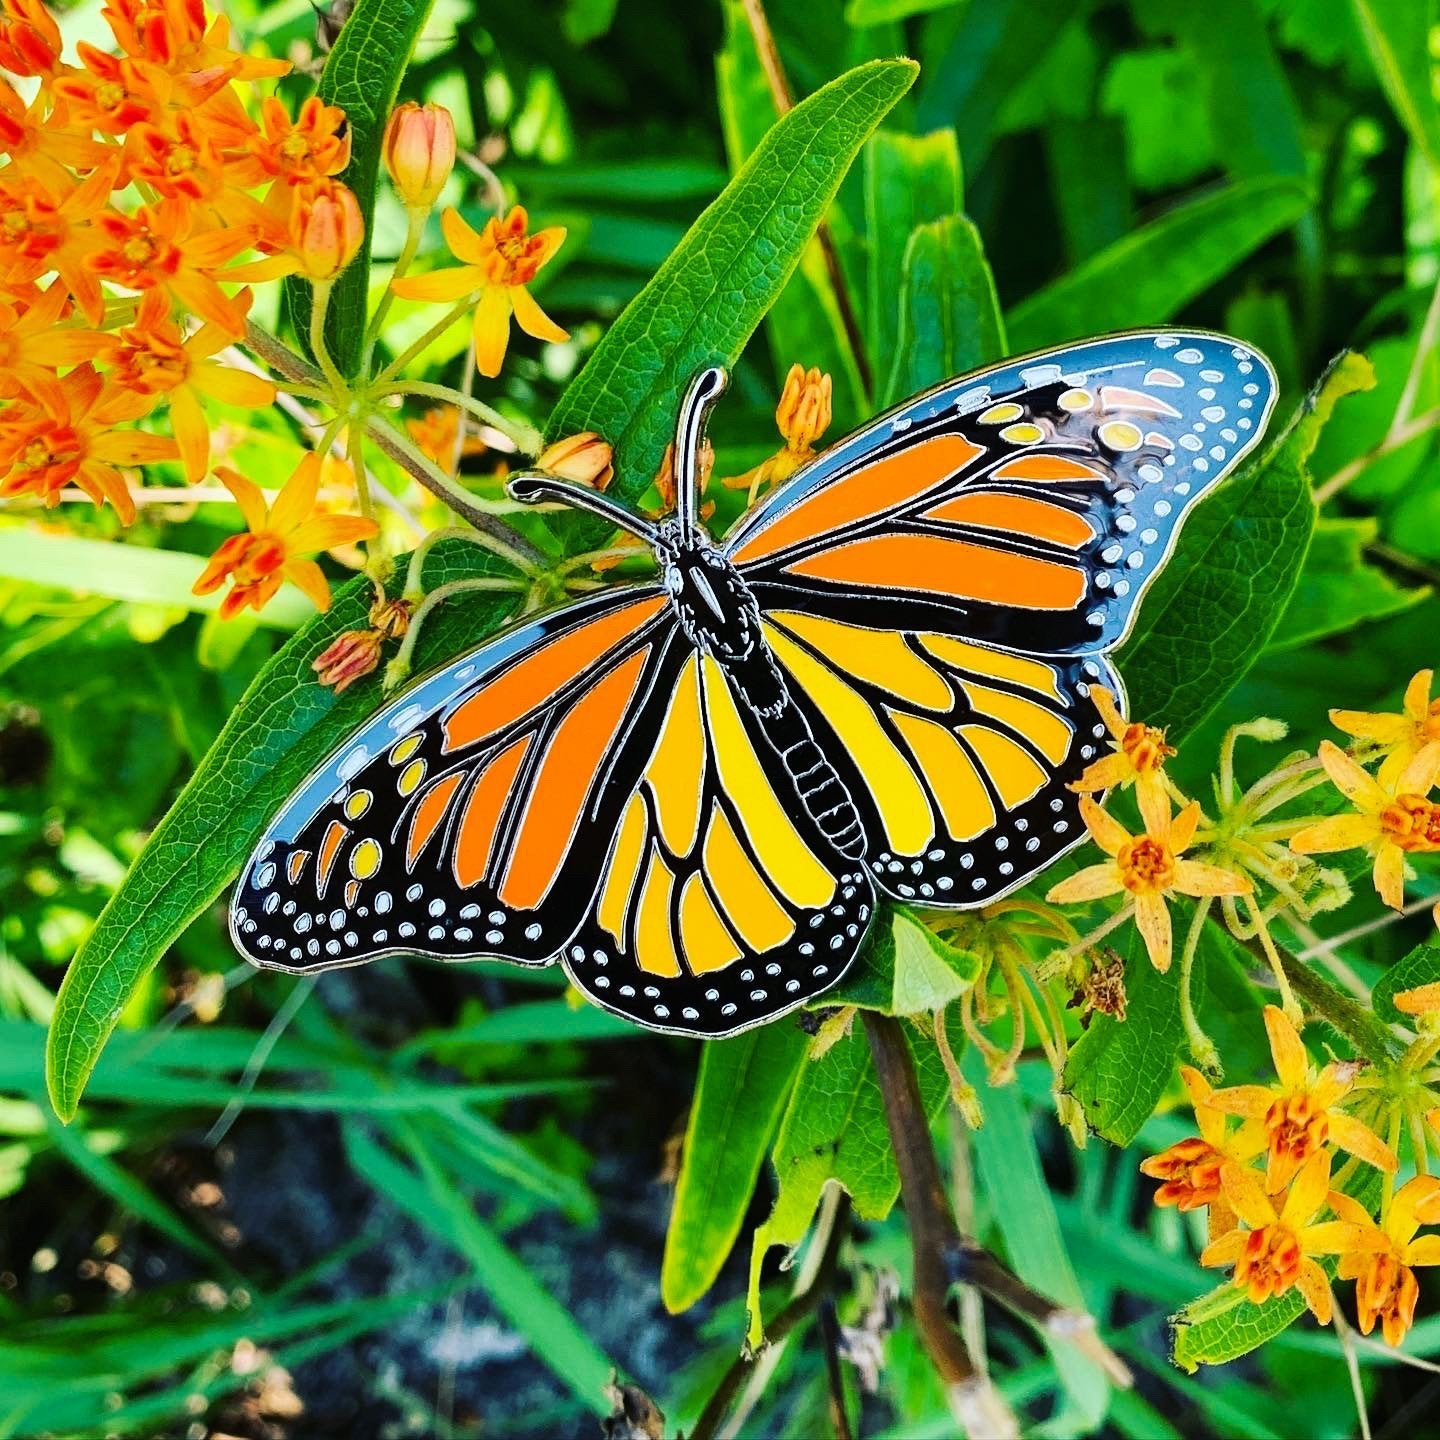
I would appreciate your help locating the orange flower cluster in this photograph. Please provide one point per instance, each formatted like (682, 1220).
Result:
(1268, 1224)
(129, 184)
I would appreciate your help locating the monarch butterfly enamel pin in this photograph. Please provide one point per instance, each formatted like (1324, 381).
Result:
(693, 792)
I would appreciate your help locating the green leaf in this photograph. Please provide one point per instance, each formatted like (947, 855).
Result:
(904, 968)
(741, 1092)
(1420, 967)
(707, 298)
(1337, 589)
(1211, 611)
(435, 1201)
(1119, 1069)
(1145, 278)
(1010, 1173)
(880, 12)
(949, 315)
(283, 727)
(1398, 36)
(362, 75)
(910, 180)
(834, 1129)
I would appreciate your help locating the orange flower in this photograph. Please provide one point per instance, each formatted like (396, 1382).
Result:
(1147, 867)
(1139, 752)
(173, 34)
(279, 538)
(30, 41)
(159, 248)
(322, 234)
(500, 262)
(419, 152)
(1191, 1169)
(1299, 1114)
(802, 416)
(1386, 1288)
(314, 146)
(436, 431)
(583, 457)
(1276, 1252)
(34, 343)
(151, 358)
(67, 436)
(112, 92)
(1393, 821)
(39, 149)
(1401, 736)
(179, 161)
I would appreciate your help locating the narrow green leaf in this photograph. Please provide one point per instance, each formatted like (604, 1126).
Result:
(1398, 35)
(436, 1202)
(708, 297)
(1011, 1175)
(1420, 967)
(1145, 278)
(910, 180)
(949, 314)
(1337, 589)
(283, 727)
(905, 968)
(741, 1091)
(362, 75)
(1212, 609)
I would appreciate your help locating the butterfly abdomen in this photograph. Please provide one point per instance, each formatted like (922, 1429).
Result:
(824, 796)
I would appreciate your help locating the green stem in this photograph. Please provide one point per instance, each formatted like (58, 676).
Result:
(319, 306)
(402, 360)
(415, 572)
(414, 228)
(1201, 1046)
(525, 438)
(399, 668)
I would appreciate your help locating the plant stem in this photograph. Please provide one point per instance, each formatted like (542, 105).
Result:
(414, 228)
(398, 669)
(527, 440)
(281, 358)
(1202, 1047)
(419, 347)
(319, 308)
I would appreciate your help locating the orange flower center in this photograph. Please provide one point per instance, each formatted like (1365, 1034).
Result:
(1296, 1127)
(1145, 747)
(109, 96)
(1386, 1290)
(1270, 1262)
(295, 147)
(139, 250)
(263, 555)
(1190, 1170)
(1412, 822)
(1146, 864)
(182, 160)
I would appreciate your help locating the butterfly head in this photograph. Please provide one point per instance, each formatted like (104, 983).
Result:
(715, 607)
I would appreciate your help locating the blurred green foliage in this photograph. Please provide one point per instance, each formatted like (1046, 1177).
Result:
(1267, 167)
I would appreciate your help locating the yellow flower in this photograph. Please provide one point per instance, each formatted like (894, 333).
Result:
(1147, 867)
(1402, 736)
(1299, 1113)
(1191, 1170)
(1139, 752)
(583, 457)
(499, 262)
(1386, 1289)
(1276, 1252)
(279, 536)
(802, 416)
(1393, 820)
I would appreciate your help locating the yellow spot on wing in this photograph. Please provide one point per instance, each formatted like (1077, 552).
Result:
(405, 749)
(678, 764)
(1001, 414)
(704, 939)
(357, 804)
(1044, 729)
(880, 656)
(410, 777)
(620, 878)
(893, 785)
(965, 804)
(365, 859)
(1012, 771)
(788, 862)
(755, 913)
(1032, 674)
(654, 944)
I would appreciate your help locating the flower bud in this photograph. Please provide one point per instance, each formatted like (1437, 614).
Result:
(349, 658)
(419, 152)
(326, 229)
(803, 414)
(391, 617)
(584, 457)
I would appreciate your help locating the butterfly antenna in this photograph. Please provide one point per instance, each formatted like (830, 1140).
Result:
(531, 486)
(705, 389)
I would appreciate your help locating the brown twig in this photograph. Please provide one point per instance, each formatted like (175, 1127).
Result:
(800, 1308)
(834, 1380)
(784, 100)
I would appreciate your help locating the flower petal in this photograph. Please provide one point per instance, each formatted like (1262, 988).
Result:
(1154, 806)
(296, 501)
(232, 387)
(192, 432)
(1389, 729)
(532, 319)
(1224, 1251)
(1315, 1287)
(1339, 832)
(1307, 1191)
(1359, 1139)
(1338, 1237)
(491, 329)
(1194, 877)
(1389, 875)
(1417, 695)
(1424, 1251)
(325, 532)
(466, 243)
(1418, 777)
(308, 577)
(452, 283)
(1109, 711)
(1107, 832)
(1105, 773)
(248, 496)
(1152, 919)
(1292, 1064)
(1091, 883)
(1348, 1208)
(1355, 784)
(1248, 1100)
(1247, 1199)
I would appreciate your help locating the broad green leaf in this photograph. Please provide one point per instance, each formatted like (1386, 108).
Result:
(1119, 1069)
(805, 324)
(362, 75)
(834, 1129)
(880, 12)
(1211, 611)
(435, 1201)
(741, 1091)
(1010, 1173)
(949, 315)
(283, 727)
(134, 573)
(1093, 201)
(708, 297)
(1399, 36)
(1145, 278)
(910, 180)
(1420, 967)
(904, 968)
(1338, 589)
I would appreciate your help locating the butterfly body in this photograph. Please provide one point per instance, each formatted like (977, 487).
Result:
(693, 793)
